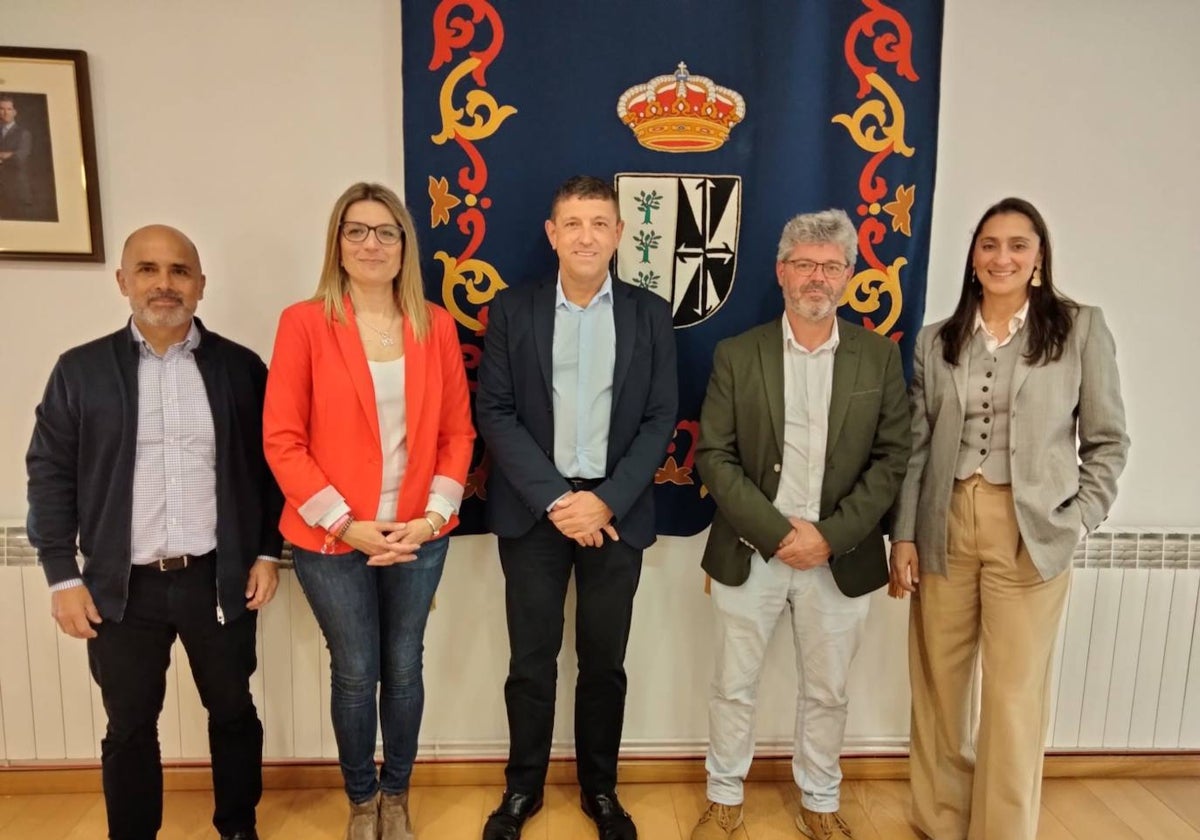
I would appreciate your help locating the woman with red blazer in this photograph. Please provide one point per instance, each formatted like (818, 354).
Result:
(367, 428)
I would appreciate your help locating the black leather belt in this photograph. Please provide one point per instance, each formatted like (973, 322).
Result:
(578, 484)
(175, 564)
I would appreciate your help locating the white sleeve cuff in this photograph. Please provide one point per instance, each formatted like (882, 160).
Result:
(440, 505)
(333, 515)
(324, 502)
(448, 489)
(66, 584)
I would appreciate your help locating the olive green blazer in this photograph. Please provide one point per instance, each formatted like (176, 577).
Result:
(740, 453)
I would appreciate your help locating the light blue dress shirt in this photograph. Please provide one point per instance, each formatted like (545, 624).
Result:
(585, 349)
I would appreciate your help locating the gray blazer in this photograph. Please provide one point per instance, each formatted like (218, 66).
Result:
(1066, 436)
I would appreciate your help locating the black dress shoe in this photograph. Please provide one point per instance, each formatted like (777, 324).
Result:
(241, 835)
(506, 821)
(612, 821)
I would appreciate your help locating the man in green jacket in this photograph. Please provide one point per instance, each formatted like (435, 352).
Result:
(804, 441)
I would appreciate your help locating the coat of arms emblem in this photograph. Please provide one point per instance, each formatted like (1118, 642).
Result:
(680, 241)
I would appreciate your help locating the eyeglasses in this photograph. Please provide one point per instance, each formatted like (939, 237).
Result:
(384, 234)
(806, 268)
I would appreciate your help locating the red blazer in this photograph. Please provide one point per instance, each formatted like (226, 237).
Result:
(321, 427)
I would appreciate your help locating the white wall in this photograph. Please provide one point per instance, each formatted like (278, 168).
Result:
(241, 122)
(1089, 110)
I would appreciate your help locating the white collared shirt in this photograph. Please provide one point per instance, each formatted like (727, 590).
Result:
(807, 392)
(1014, 323)
(174, 472)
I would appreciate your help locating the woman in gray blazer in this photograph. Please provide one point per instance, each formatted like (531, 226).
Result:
(1018, 440)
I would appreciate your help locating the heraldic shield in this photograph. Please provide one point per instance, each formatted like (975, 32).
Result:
(681, 238)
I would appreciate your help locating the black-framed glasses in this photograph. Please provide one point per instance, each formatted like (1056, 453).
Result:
(832, 270)
(384, 234)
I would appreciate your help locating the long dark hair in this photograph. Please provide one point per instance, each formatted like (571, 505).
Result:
(1051, 314)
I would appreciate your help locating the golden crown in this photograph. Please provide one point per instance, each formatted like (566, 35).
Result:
(681, 113)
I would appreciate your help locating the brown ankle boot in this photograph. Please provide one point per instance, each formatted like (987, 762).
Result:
(364, 820)
(718, 822)
(394, 823)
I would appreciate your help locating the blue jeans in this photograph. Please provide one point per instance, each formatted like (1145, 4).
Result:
(373, 619)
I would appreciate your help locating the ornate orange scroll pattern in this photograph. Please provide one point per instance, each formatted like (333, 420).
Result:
(877, 127)
(468, 35)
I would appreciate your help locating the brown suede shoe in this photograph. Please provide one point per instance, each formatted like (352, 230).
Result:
(364, 820)
(394, 823)
(718, 822)
(822, 826)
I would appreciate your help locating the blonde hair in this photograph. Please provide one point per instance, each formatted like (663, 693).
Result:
(408, 287)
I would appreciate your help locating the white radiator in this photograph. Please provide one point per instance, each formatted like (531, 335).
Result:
(1127, 675)
(50, 709)
(1128, 670)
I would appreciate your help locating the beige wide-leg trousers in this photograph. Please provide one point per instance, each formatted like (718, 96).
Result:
(992, 604)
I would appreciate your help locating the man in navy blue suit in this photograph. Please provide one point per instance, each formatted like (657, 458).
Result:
(16, 146)
(577, 401)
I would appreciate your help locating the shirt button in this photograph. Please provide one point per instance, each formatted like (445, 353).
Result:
(984, 436)
(987, 419)
(985, 389)
(983, 452)
(778, 467)
(988, 375)
(985, 405)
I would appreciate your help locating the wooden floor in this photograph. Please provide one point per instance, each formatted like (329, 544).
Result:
(1072, 809)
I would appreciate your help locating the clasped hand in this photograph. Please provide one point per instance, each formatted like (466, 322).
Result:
(388, 543)
(584, 517)
(803, 547)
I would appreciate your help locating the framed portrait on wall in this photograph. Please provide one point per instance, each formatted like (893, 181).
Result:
(49, 196)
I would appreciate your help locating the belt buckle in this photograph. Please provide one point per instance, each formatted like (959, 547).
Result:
(173, 564)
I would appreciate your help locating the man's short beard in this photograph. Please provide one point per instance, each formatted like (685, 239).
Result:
(813, 312)
(175, 317)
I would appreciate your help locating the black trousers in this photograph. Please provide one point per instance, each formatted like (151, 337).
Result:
(537, 568)
(129, 660)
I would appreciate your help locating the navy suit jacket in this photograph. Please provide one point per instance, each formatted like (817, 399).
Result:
(515, 416)
(16, 195)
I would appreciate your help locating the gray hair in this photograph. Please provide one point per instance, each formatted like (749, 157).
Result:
(828, 226)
